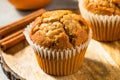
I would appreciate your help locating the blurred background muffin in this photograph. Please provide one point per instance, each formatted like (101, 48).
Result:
(103, 7)
(104, 16)
(59, 39)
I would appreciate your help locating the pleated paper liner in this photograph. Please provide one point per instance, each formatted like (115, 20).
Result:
(59, 62)
(11, 75)
(104, 28)
(62, 67)
(99, 61)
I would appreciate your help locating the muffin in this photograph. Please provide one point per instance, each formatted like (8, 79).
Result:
(59, 39)
(104, 16)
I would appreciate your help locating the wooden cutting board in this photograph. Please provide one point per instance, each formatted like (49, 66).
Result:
(102, 62)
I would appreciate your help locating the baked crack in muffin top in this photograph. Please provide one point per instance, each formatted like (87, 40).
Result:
(103, 7)
(59, 29)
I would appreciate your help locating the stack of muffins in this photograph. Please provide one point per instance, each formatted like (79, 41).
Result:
(59, 39)
(104, 16)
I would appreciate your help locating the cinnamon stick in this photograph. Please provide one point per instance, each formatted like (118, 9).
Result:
(11, 36)
(20, 23)
(13, 41)
(17, 36)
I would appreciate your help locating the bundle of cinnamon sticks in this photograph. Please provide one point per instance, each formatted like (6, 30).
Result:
(12, 34)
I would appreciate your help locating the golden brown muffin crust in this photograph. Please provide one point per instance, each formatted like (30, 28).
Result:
(103, 7)
(59, 29)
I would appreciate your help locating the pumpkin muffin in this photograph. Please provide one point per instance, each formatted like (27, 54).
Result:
(59, 39)
(103, 7)
(104, 15)
(59, 30)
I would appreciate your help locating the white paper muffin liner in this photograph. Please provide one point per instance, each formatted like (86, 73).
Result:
(46, 53)
(104, 27)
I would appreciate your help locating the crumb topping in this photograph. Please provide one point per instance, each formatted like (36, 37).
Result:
(59, 29)
(103, 7)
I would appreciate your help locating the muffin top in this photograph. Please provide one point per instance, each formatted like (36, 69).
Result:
(103, 7)
(59, 29)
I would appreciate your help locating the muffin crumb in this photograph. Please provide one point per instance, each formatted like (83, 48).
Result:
(59, 29)
(103, 7)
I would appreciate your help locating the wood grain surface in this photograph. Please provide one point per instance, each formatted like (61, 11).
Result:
(102, 62)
